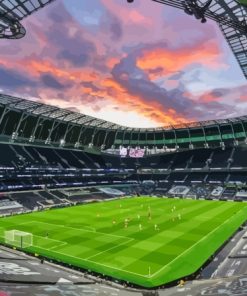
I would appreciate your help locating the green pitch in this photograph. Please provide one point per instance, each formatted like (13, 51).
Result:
(98, 237)
(243, 2)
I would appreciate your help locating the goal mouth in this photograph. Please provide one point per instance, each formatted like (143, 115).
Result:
(18, 238)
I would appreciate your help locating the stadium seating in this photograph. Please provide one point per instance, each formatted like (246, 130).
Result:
(8, 206)
(239, 157)
(217, 177)
(238, 178)
(29, 200)
(220, 158)
(229, 193)
(30, 167)
(199, 158)
(177, 177)
(196, 177)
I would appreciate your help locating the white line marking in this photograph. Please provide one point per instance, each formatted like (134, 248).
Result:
(146, 276)
(182, 254)
(129, 240)
(108, 266)
(62, 244)
(87, 259)
(78, 229)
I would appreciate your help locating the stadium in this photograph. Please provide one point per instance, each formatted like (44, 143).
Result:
(93, 207)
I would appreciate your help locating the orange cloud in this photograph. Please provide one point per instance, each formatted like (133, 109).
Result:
(36, 67)
(108, 91)
(168, 61)
(111, 62)
(208, 97)
(137, 18)
(152, 109)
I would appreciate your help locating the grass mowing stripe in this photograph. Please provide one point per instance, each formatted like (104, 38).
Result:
(107, 250)
(187, 250)
(78, 229)
(178, 249)
(98, 263)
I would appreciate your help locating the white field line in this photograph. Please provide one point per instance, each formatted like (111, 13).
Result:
(97, 263)
(182, 254)
(115, 268)
(62, 244)
(120, 269)
(55, 240)
(87, 259)
(90, 257)
(78, 229)
(43, 237)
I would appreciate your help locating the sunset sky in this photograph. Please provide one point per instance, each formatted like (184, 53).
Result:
(142, 64)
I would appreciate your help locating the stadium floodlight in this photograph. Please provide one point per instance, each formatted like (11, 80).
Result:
(12, 12)
(48, 141)
(77, 145)
(230, 15)
(235, 142)
(14, 135)
(31, 139)
(62, 142)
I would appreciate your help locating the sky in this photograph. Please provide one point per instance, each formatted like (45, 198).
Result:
(141, 65)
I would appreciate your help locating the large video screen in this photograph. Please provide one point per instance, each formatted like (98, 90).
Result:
(123, 152)
(136, 152)
(132, 152)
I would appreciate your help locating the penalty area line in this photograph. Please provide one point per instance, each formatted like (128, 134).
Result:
(78, 229)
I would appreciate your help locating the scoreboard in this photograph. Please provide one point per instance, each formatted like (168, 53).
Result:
(132, 152)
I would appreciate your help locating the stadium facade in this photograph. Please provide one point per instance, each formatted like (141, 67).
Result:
(52, 157)
(25, 121)
(55, 158)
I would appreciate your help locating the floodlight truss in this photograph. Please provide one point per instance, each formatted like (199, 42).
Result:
(31, 107)
(14, 11)
(230, 15)
(231, 18)
(34, 121)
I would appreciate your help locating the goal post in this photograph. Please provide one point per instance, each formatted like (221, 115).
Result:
(18, 238)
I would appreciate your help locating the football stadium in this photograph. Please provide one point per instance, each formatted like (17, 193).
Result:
(89, 206)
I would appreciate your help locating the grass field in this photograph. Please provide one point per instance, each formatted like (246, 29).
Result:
(86, 236)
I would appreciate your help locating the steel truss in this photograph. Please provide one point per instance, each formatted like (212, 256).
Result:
(229, 14)
(32, 121)
(232, 20)
(13, 11)
(36, 109)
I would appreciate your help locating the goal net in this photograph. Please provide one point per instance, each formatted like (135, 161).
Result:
(18, 238)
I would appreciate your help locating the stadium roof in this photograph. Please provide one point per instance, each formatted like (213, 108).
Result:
(68, 116)
(231, 17)
(13, 11)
